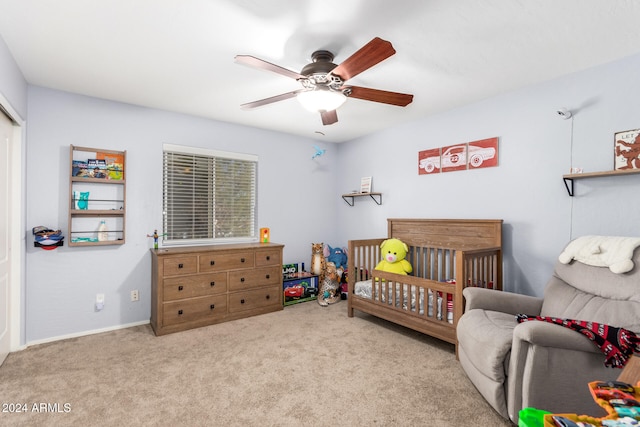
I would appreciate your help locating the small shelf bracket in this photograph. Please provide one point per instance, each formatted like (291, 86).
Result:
(568, 183)
(350, 198)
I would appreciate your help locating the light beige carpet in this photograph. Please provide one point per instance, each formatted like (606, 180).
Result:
(306, 365)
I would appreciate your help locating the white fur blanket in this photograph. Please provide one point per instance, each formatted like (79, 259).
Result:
(602, 251)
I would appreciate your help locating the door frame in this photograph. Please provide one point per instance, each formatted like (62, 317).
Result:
(17, 239)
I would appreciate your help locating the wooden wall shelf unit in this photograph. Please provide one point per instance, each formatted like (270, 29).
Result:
(106, 196)
(568, 179)
(202, 285)
(350, 198)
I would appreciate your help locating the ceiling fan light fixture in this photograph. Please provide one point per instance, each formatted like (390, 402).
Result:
(319, 100)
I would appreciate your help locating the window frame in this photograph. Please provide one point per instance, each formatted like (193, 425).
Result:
(208, 153)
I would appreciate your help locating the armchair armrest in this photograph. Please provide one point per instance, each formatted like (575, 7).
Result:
(505, 302)
(554, 337)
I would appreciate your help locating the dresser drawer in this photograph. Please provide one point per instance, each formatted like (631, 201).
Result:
(194, 309)
(244, 279)
(179, 265)
(268, 257)
(194, 286)
(219, 261)
(256, 298)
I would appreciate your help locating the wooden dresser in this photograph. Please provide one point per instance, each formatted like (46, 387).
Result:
(203, 285)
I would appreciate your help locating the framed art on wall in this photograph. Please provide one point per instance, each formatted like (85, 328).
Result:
(627, 150)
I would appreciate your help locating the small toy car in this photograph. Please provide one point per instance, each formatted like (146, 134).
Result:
(618, 385)
(566, 422)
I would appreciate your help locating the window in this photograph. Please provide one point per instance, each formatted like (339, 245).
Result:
(208, 196)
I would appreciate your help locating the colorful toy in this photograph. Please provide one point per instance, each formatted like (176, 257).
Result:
(393, 253)
(330, 286)
(338, 256)
(155, 236)
(318, 261)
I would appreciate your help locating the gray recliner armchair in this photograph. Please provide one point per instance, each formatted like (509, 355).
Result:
(539, 364)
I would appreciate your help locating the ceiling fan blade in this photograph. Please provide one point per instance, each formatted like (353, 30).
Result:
(383, 96)
(329, 117)
(252, 61)
(374, 52)
(271, 99)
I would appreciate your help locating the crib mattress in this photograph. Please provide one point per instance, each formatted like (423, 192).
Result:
(364, 289)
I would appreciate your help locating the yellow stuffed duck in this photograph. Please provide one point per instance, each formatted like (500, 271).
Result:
(393, 253)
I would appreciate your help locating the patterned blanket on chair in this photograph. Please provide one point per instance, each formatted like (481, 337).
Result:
(617, 344)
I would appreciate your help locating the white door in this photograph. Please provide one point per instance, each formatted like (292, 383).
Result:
(6, 131)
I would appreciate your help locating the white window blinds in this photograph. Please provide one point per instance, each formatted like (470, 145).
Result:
(208, 196)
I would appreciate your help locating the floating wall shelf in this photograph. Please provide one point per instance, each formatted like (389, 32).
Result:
(568, 179)
(350, 198)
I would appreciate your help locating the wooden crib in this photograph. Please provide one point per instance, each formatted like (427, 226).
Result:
(447, 255)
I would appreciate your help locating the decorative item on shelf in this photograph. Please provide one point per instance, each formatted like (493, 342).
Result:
(627, 150)
(81, 200)
(103, 232)
(46, 238)
(155, 236)
(365, 184)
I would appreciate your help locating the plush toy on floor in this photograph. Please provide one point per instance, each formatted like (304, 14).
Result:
(318, 261)
(393, 253)
(330, 286)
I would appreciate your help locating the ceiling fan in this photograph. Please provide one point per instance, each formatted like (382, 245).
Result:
(323, 82)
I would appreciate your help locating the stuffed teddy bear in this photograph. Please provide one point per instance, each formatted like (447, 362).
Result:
(393, 253)
(338, 256)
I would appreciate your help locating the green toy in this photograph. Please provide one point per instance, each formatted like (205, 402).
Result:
(393, 253)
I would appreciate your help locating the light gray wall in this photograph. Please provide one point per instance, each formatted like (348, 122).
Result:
(62, 284)
(526, 190)
(13, 86)
(299, 197)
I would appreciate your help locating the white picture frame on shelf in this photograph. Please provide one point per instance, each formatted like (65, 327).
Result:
(365, 184)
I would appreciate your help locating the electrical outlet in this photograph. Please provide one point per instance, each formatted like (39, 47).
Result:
(134, 295)
(99, 302)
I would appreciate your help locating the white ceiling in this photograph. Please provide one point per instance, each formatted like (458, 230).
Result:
(178, 55)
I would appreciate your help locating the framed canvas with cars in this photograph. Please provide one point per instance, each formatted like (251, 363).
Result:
(429, 161)
(627, 150)
(482, 153)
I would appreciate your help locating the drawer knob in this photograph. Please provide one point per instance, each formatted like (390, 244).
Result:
(180, 265)
(268, 296)
(212, 306)
(180, 287)
(268, 276)
(268, 258)
(212, 262)
(242, 301)
(179, 312)
(212, 284)
(242, 279)
(241, 259)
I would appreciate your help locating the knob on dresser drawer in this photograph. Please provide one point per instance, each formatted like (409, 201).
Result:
(180, 287)
(179, 312)
(212, 306)
(212, 284)
(212, 262)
